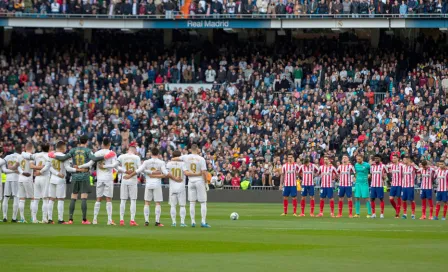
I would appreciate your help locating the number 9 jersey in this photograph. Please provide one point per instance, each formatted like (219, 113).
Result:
(195, 164)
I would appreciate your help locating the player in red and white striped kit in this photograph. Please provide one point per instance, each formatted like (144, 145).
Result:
(442, 189)
(427, 174)
(407, 194)
(307, 172)
(378, 173)
(396, 169)
(345, 171)
(289, 184)
(326, 172)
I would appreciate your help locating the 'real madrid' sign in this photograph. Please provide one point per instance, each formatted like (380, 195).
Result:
(208, 24)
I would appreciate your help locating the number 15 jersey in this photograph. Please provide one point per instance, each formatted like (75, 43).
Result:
(129, 162)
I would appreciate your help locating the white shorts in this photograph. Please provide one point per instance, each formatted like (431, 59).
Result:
(26, 190)
(41, 186)
(178, 198)
(11, 188)
(154, 194)
(57, 190)
(105, 189)
(128, 191)
(197, 191)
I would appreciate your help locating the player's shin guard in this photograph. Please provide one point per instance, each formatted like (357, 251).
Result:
(358, 207)
(431, 207)
(109, 211)
(60, 210)
(204, 212)
(445, 209)
(312, 204)
(173, 214)
(72, 208)
(96, 210)
(413, 207)
(372, 205)
(84, 209)
(158, 211)
(133, 209)
(340, 207)
(183, 214)
(5, 207)
(45, 210)
(369, 207)
(146, 213)
(424, 206)
(350, 207)
(22, 209)
(437, 209)
(382, 206)
(405, 207)
(50, 209)
(322, 205)
(332, 206)
(302, 205)
(294, 205)
(285, 206)
(15, 208)
(193, 212)
(122, 208)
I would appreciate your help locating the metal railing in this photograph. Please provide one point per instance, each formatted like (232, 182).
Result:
(180, 16)
(379, 97)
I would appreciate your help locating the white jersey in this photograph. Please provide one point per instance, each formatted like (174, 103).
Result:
(2, 162)
(25, 166)
(153, 165)
(59, 167)
(11, 160)
(195, 164)
(104, 168)
(176, 168)
(41, 159)
(129, 162)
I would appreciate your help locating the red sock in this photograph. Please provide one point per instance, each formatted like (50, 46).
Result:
(302, 205)
(322, 204)
(350, 207)
(424, 206)
(340, 206)
(437, 209)
(294, 205)
(405, 207)
(372, 205)
(332, 206)
(285, 206)
(382, 206)
(445, 208)
(413, 207)
(398, 205)
(431, 207)
(392, 202)
(312, 206)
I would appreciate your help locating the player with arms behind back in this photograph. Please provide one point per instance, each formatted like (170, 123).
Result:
(177, 189)
(362, 169)
(396, 169)
(307, 170)
(407, 193)
(345, 171)
(326, 185)
(41, 183)
(442, 190)
(378, 172)
(427, 176)
(289, 184)
(11, 184)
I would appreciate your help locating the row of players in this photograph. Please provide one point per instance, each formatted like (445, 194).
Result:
(50, 169)
(403, 174)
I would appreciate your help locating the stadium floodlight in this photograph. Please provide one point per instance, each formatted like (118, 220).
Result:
(389, 32)
(68, 29)
(39, 31)
(192, 33)
(281, 32)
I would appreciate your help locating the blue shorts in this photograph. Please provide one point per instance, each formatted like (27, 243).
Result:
(290, 191)
(376, 192)
(426, 194)
(407, 194)
(326, 192)
(395, 191)
(442, 196)
(345, 191)
(308, 190)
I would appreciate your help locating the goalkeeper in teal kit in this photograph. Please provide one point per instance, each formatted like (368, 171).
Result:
(362, 185)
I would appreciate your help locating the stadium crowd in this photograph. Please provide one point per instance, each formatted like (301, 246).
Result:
(272, 8)
(319, 97)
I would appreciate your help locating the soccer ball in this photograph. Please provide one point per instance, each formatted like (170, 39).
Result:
(234, 216)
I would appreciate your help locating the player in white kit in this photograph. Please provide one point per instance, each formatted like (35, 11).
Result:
(104, 181)
(178, 193)
(2, 162)
(197, 187)
(154, 170)
(11, 185)
(41, 184)
(128, 163)
(26, 186)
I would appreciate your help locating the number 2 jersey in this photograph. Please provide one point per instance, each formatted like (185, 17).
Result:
(129, 162)
(195, 164)
(176, 168)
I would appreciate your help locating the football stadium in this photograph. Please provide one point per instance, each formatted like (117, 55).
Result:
(223, 135)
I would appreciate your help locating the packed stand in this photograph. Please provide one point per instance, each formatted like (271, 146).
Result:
(312, 99)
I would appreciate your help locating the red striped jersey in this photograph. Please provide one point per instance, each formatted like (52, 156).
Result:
(345, 172)
(397, 172)
(408, 176)
(289, 172)
(442, 180)
(427, 177)
(377, 171)
(308, 172)
(326, 174)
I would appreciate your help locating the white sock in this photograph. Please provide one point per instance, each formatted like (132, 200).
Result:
(109, 211)
(193, 212)
(15, 208)
(173, 213)
(204, 212)
(50, 209)
(158, 212)
(34, 207)
(133, 209)
(146, 213)
(5, 207)
(96, 210)
(45, 209)
(60, 210)
(183, 213)
(122, 208)
(22, 209)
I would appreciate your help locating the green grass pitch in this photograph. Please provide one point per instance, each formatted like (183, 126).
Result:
(260, 240)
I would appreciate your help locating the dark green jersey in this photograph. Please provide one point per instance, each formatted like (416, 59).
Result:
(80, 156)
